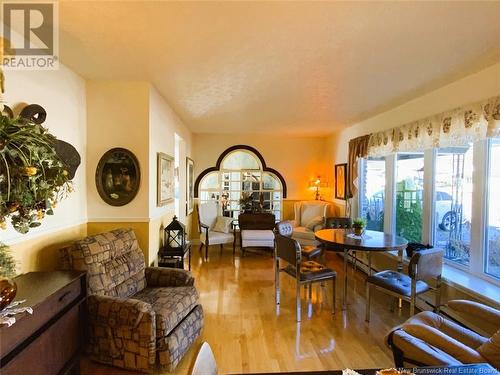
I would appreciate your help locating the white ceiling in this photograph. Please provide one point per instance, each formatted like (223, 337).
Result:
(283, 67)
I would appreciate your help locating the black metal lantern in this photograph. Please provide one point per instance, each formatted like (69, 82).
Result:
(174, 238)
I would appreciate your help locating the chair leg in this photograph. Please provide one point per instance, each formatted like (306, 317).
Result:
(221, 248)
(206, 252)
(277, 279)
(334, 303)
(354, 261)
(438, 295)
(298, 301)
(368, 297)
(413, 296)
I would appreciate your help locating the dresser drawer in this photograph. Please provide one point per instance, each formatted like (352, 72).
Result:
(49, 353)
(43, 312)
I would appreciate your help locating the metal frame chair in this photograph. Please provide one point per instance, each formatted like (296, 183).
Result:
(305, 273)
(424, 265)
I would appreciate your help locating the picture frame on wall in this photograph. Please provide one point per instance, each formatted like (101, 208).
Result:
(118, 177)
(165, 179)
(341, 181)
(189, 186)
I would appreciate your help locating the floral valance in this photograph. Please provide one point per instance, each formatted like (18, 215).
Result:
(468, 123)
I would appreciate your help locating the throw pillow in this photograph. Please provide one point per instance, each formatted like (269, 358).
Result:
(222, 224)
(491, 350)
(317, 220)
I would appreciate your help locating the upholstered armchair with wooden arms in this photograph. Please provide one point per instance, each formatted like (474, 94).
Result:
(309, 218)
(139, 318)
(207, 219)
(428, 339)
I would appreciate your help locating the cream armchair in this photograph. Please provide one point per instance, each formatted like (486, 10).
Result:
(309, 217)
(207, 216)
(428, 339)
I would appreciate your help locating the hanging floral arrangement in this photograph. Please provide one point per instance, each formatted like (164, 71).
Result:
(33, 176)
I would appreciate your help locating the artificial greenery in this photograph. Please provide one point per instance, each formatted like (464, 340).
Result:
(7, 263)
(32, 176)
(246, 201)
(358, 222)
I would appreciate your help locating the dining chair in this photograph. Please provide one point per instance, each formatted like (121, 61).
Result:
(424, 265)
(305, 273)
(285, 228)
(204, 363)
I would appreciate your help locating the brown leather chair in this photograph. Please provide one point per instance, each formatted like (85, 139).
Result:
(285, 228)
(424, 265)
(428, 339)
(305, 273)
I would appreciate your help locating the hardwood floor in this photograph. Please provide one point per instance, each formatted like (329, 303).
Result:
(249, 334)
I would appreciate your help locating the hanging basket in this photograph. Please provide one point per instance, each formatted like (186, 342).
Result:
(33, 177)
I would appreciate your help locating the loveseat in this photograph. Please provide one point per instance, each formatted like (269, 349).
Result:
(139, 317)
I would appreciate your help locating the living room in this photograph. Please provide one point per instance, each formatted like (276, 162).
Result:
(349, 133)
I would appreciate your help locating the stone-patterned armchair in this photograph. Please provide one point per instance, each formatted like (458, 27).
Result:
(139, 317)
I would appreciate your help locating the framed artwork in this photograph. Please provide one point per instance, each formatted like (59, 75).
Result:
(189, 185)
(165, 179)
(341, 181)
(118, 177)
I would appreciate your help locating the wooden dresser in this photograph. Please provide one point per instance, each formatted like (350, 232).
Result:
(49, 341)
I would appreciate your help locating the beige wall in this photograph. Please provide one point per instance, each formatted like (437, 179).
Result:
(475, 87)
(118, 116)
(298, 159)
(62, 93)
(164, 125)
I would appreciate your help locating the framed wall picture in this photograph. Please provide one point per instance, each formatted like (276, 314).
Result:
(118, 177)
(341, 181)
(165, 179)
(189, 185)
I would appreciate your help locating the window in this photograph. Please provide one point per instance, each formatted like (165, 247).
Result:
(456, 207)
(372, 193)
(492, 253)
(242, 173)
(409, 195)
(453, 202)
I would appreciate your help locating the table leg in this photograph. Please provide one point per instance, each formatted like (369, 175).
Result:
(400, 269)
(344, 294)
(369, 263)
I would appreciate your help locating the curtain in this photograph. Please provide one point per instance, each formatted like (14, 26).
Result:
(358, 148)
(468, 123)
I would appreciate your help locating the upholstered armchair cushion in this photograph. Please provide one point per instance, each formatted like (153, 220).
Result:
(415, 349)
(477, 310)
(122, 332)
(113, 261)
(491, 350)
(448, 344)
(168, 277)
(171, 305)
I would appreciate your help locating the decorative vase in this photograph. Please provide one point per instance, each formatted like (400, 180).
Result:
(8, 290)
(358, 231)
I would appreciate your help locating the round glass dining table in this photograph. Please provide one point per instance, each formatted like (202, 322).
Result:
(343, 240)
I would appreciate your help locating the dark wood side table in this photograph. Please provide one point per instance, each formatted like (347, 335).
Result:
(49, 341)
(175, 259)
